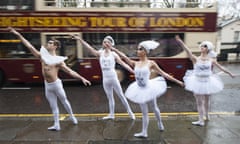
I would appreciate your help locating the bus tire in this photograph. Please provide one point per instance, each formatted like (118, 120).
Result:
(121, 75)
(2, 78)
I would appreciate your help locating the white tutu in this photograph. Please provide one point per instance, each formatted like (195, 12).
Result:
(202, 85)
(155, 88)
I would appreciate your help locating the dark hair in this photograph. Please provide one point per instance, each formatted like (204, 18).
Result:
(56, 43)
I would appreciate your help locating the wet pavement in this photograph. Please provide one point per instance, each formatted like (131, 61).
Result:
(222, 129)
(25, 116)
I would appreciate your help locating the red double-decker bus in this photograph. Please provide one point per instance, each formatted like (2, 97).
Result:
(128, 23)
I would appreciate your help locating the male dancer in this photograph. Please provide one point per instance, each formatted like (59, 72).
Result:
(51, 63)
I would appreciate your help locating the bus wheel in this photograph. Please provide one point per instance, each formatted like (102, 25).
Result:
(1, 78)
(121, 75)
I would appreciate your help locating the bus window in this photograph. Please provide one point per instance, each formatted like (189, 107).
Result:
(20, 5)
(12, 47)
(68, 46)
(127, 43)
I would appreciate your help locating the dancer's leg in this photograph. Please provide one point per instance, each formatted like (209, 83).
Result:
(63, 98)
(108, 88)
(207, 106)
(52, 99)
(145, 121)
(118, 89)
(157, 113)
(200, 108)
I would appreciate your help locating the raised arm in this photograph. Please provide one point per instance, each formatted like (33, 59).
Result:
(33, 50)
(185, 47)
(74, 74)
(164, 74)
(85, 44)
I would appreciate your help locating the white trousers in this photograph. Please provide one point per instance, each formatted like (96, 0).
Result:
(54, 91)
(145, 118)
(111, 83)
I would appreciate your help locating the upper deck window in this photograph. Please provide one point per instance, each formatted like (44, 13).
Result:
(125, 4)
(16, 5)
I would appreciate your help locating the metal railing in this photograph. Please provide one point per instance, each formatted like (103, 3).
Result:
(124, 4)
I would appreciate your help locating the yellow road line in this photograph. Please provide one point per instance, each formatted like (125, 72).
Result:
(118, 114)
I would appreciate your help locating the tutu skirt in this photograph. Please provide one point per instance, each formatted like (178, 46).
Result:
(202, 84)
(155, 88)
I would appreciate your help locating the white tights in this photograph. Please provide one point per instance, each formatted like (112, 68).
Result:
(203, 104)
(54, 91)
(145, 118)
(110, 84)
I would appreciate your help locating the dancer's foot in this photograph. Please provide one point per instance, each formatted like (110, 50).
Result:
(198, 123)
(141, 135)
(109, 117)
(74, 120)
(132, 116)
(160, 126)
(54, 128)
(207, 118)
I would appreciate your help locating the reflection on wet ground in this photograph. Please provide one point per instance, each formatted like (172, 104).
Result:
(86, 100)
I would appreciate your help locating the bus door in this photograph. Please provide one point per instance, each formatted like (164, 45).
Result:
(69, 47)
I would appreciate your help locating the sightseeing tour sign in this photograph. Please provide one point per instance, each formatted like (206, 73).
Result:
(108, 22)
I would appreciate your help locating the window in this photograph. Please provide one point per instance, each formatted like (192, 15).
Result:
(237, 36)
(127, 42)
(12, 47)
(19, 5)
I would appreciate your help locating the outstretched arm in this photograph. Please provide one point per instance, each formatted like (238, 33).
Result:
(185, 47)
(33, 50)
(124, 57)
(74, 74)
(222, 68)
(90, 48)
(122, 63)
(164, 74)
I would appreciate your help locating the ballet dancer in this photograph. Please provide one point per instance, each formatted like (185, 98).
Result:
(201, 80)
(144, 90)
(107, 59)
(51, 63)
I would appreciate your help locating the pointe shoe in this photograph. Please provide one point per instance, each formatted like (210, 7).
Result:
(132, 116)
(160, 126)
(74, 120)
(109, 117)
(141, 135)
(198, 123)
(54, 128)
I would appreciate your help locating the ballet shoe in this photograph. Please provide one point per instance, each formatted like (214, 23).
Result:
(132, 116)
(141, 135)
(74, 120)
(198, 123)
(109, 117)
(160, 126)
(54, 128)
